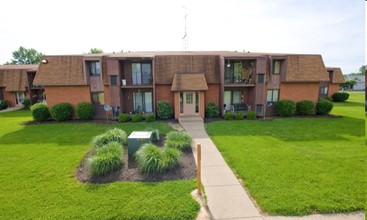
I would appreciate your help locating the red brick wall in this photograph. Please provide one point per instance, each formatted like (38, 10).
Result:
(333, 88)
(10, 97)
(202, 104)
(70, 94)
(212, 94)
(163, 92)
(299, 91)
(176, 106)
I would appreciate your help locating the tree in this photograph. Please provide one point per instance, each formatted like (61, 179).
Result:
(362, 69)
(26, 56)
(349, 84)
(95, 51)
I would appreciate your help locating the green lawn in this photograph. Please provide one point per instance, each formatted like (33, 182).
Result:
(297, 166)
(37, 177)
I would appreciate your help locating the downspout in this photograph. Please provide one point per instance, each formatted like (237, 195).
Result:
(221, 89)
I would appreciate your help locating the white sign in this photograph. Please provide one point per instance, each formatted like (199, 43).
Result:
(107, 108)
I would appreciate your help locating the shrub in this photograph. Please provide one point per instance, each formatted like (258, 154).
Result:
(285, 108)
(151, 159)
(212, 110)
(178, 140)
(149, 118)
(305, 107)
(137, 118)
(106, 159)
(155, 134)
(228, 116)
(164, 110)
(340, 97)
(112, 135)
(40, 112)
(26, 103)
(85, 111)
(323, 107)
(251, 115)
(240, 116)
(123, 118)
(4, 104)
(61, 112)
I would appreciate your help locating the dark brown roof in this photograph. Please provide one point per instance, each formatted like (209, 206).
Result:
(61, 70)
(305, 68)
(167, 66)
(189, 82)
(14, 77)
(337, 75)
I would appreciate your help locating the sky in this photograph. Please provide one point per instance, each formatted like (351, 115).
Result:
(334, 29)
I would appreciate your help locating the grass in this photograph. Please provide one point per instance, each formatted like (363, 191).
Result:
(298, 166)
(37, 176)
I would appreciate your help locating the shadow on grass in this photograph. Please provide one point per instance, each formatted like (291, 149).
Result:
(291, 129)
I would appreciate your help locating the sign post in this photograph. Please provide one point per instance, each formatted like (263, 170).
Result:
(199, 168)
(107, 108)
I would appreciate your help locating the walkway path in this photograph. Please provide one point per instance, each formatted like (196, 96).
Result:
(11, 109)
(226, 197)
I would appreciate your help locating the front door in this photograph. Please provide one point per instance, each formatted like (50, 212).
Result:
(189, 103)
(20, 96)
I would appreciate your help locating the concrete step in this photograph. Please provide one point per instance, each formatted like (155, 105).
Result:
(190, 119)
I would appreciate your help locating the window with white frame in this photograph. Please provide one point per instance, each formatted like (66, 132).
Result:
(324, 90)
(272, 95)
(141, 73)
(94, 67)
(276, 67)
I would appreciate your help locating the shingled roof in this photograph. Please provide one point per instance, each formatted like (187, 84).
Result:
(61, 70)
(189, 82)
(305, 68)
(14, 77)
(337, 75)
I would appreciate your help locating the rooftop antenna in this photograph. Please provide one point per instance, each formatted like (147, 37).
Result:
(185, 38)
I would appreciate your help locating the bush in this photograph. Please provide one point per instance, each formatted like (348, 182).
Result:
(212, 110)
(26, 103)
(40, 112)
(123, 118)
(178, 140)
(285, 108)
(164, 110)
(112, 135)
(4, 104)
(149, 118)
(305, 107)
(137, 118)
(340, 97)
(106, 159)
(240, 116)
(151, 159)
(323, 107)
(251, 115)
(155, 134)
(85, 111)
(61, 112)
(228, 116)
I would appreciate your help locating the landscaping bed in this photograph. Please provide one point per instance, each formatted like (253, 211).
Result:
(129, 172)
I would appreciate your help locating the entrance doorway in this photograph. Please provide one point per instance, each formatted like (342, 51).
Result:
(189, 103)
(20, 96)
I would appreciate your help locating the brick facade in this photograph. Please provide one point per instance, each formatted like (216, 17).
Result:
(299, 91)
(333, 88)
(212, 94)
(70, 94)
(10, 97)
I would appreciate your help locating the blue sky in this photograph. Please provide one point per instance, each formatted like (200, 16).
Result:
(334, 29)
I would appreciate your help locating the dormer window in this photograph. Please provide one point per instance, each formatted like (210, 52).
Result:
(94, 67)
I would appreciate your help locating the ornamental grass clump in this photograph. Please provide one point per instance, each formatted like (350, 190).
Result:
(106, 159)
(178, 140)
(112, 135)
(152, 160)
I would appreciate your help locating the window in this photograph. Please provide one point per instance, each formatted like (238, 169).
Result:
(259, 109)
(94, 67)
(276, 67)
(98, 98)
(324, 90)
(189, 98)
(260, 78)
(113, 80)
(143, 102)
(273, 95)
(181, 102)
(230, 98)
(141, 73)
(234, 72)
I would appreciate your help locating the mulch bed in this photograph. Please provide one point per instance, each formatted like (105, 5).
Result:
(130, 173)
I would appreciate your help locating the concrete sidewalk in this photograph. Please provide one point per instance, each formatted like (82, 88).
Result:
(226, 197)
(10, 109)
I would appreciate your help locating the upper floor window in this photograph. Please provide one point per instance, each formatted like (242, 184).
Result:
(276, 66)
(234, 72)
(141, 73)
(260, 78)
(94, 67)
